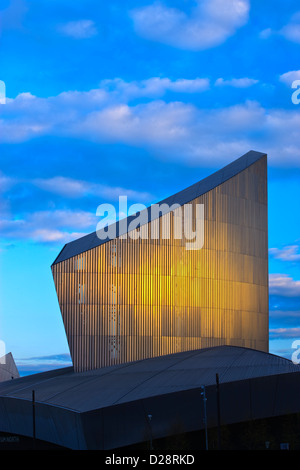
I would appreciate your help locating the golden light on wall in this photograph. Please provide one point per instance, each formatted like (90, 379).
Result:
(130, 299)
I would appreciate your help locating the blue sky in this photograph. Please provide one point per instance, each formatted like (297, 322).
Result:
(141, 98)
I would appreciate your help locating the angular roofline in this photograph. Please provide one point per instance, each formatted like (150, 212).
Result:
(182, 197)
(231, 362)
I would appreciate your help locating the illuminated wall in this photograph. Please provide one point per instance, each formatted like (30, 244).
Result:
(128, 299)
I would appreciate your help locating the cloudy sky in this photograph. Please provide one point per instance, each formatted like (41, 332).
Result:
(137, 98)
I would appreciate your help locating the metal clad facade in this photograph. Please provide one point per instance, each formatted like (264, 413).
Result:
(137, 297)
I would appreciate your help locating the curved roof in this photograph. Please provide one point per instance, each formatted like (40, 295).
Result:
(108, 408)
(92, 240)
(109, 386)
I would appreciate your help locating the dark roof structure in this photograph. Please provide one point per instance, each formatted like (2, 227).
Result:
(107, 408)
(90, 241)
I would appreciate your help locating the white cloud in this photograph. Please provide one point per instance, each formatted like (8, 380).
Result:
(265, 33)
(288, 253)
(172, 129)
(157, 124)
(284, 285)
(80, 29)
(48, 235)
(43, 362)
(153, 87)
(281, 333)
(57, 225)
(236, 82)
(209, 24)
(48, 226)
(289, 77)
(291, 31)
(188, 86)
(6, 182)
(68, 187)
(283, 315)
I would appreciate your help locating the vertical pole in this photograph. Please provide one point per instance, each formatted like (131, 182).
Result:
(33, 417)
(218, 411)
(205, 416)
(150, 428)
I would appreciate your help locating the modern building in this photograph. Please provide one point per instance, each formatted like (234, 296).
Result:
(110, 408)
(8, 368)
(168, 335)
(187, 274)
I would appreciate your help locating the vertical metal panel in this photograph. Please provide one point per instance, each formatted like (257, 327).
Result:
(130, 299)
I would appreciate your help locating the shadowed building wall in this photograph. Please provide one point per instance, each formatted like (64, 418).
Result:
(128, 299)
